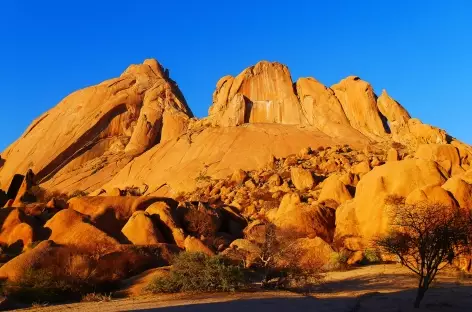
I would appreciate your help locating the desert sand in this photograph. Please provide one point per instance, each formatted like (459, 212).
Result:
(385, 287)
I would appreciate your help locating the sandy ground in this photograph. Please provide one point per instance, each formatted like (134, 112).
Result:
(373, 288)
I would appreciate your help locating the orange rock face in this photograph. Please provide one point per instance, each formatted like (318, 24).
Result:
(94, 132)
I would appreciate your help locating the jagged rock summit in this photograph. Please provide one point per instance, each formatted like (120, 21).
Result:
(94, 132)
(137, 130)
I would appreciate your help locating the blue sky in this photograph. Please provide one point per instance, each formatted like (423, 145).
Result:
(420, 51)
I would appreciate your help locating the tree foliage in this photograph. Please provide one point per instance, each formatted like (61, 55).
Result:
(425, 237)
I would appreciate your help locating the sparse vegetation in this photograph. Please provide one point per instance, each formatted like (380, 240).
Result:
(78, 193)
(338, 261)
(371, 256)
(426, 237)
(96, 297)
(41, 286)
(199, 223)
(44, 196)
(199, 272)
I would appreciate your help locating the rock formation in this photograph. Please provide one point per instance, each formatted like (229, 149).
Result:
(316, 162)
(91, 134)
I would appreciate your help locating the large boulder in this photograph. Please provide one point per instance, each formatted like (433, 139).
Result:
(334, 189)
(66, 262)
(163, 215)
(430, 194)
(304, 219)
(312, 252)
(193, 244)
(445, 155)
(25, 194)
(461, 190)
(365, 216)
(17, 230)
(141, 230)
(109, 213)
(323, 110)
(72, 228)
(302, 178)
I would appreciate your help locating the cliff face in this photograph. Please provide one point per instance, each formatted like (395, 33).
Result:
(138, 130)
(265, 93)
(94, 132)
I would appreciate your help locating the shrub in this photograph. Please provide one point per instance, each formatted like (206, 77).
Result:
(199, 272)
(40, 286)
(78, 193)
(44, 196)
(339, 260)
(199, 222)
(96, 297)
(371, 256)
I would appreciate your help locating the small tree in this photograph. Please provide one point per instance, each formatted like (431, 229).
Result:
(425, 237)
(280, 255)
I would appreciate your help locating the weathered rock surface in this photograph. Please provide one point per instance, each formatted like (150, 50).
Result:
(359, 103)
(304, 219)
(91, 134)
(72, 228)
(141, 230)
(366, 216)
(217, 153)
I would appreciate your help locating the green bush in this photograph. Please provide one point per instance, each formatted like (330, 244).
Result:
(39, 286)
(199, 272)
(371, 256)
(339, 260)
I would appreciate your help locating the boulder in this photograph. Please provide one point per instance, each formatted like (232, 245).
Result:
(193, 244)
(333, 189)
(302, 178)
(140, 230)
(275, 180)
(239, 176)
(72, 228)
(430, 194)
(243, 249)
(365, 216)
(313, 252)
(304, 219)
(361, 168)
(395, 113)
(165, 217)
(110, 214)
(109, 267)
(22, 235)
(461, 190)
(445, 155)
(25, 194)
(17, 230)
(322, 109)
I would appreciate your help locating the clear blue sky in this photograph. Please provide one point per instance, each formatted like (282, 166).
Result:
(420, 51)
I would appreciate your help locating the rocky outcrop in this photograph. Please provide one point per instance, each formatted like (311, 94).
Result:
(365, 216)
(359, 103)
(91, 134)
(217, 152)
(71, 228)
(267, 91)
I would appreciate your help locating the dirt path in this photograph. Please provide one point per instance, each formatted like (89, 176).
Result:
(372, 288)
